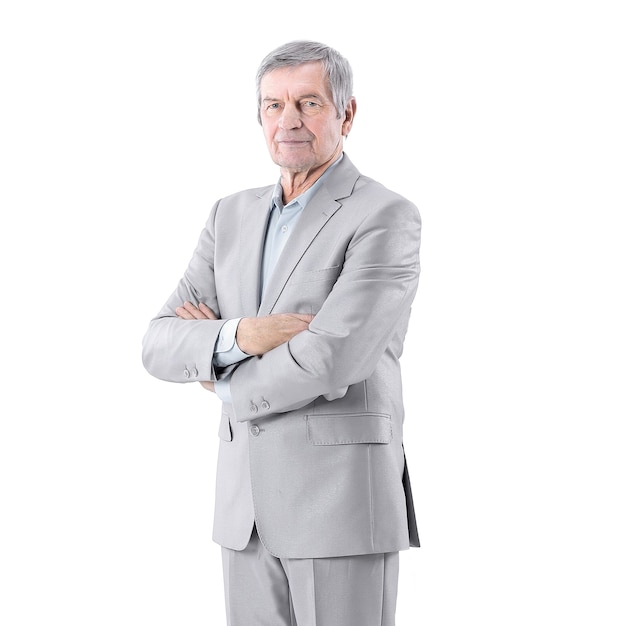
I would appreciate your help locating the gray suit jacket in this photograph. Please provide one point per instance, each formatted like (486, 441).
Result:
(311, 448)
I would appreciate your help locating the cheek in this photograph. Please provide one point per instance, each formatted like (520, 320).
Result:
(329, 128)
(331, 135)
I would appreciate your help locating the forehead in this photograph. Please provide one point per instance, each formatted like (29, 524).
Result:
(305, 79)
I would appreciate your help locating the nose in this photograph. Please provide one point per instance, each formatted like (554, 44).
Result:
(290, 118)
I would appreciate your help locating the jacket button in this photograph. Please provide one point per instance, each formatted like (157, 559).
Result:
(194, 372)
(186, 373)
(253, 408)
(265, 405)
(255, 430)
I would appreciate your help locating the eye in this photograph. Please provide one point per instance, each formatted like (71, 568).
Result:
(309, 104)
(272, 106)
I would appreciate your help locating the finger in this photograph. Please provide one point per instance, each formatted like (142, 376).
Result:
(207, 311)
(183, 313)
(208, 385)
(304, 317)
(194, 311)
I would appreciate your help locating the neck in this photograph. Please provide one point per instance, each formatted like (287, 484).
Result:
(296, 182)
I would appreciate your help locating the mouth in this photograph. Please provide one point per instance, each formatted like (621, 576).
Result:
(292, 142)
(292, 146)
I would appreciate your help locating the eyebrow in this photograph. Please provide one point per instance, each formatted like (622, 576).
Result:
(302, 97)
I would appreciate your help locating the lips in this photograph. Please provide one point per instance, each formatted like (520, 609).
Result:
(292, 140)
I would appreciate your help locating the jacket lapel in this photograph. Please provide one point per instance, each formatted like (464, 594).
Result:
(251, 240)
(312, 220)
(318, 211)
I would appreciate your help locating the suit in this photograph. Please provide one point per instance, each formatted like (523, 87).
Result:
(311, 448)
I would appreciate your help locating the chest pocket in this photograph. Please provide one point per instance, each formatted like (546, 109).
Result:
(306, 291)
(313, 276)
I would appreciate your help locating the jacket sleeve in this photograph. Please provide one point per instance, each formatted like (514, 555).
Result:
(361, 318)
(178, 350)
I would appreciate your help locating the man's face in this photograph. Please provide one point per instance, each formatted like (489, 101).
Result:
(299, 119)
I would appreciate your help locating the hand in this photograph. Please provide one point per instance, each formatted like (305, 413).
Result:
(191, 312)
(258, 335)
(208, 385)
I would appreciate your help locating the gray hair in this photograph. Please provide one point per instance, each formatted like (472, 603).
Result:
(337, 69)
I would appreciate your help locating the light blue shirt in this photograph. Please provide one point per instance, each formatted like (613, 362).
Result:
(282, 221)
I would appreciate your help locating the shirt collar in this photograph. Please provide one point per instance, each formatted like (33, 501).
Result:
(303, 199)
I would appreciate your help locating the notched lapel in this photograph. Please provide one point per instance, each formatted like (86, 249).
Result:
(251, 240)
(319, 210)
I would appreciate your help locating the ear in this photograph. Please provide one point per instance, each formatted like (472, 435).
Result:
(348, 117)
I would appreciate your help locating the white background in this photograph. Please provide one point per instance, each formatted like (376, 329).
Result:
(123, 121)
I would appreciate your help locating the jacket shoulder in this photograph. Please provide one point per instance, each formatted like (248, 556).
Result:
(371, 197)
(246, 195)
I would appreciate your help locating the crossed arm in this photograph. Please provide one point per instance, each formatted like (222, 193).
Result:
(255, 335)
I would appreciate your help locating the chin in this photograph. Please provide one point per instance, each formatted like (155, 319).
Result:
(295, 165)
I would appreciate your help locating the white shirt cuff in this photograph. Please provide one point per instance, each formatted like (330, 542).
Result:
(226, 351)
(222, 389)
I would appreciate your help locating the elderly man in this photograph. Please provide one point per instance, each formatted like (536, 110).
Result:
(293, 309)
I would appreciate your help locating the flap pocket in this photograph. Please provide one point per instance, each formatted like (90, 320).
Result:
(225, 431)
(347, 428)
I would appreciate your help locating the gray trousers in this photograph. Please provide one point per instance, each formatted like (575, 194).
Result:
(263, 590)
